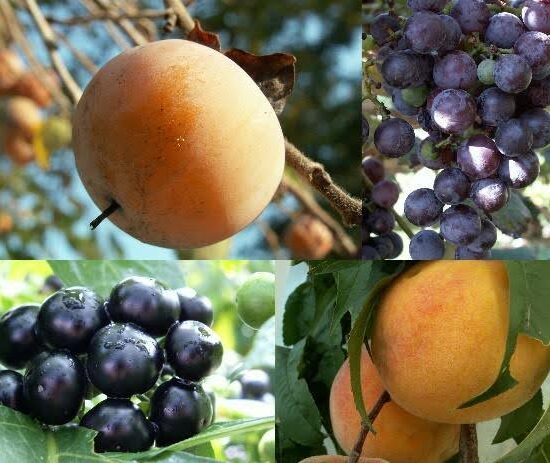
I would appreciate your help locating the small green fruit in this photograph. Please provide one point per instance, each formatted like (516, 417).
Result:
(256, 299)
(266, 447)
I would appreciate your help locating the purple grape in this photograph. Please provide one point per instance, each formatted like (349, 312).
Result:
(453, 33)
(385, 193)
(365, 129)
(503, 30)
(478, 157)
(513, 138)
(373, 169)
(383, 245)
(490, 194)
(472, 15)
(538, 120)
(521, 171)
(486, 239)
(456, 69)
(432, 157)
(425, 121)
(425, 31)
(404, 68)
(538, 93)
(453, 110)
(427, 5)
(486, 71)
(380, 221)
(495, 106)
(465, 253)
(536, 16)
(384, 27)
(512, 73)
(369, 253)
(397, 242)
(422, 207)
(460, 224)
(426, 245)
(451, 186)
(394, 137)
(401, 105)
(534, 47)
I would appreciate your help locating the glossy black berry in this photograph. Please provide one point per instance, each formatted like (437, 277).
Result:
(18, 340)
(69, 318)
(54, 387)
(180, 410)
(145, 302)
(121, 427)
(255, 383)
(193, 350)
(11, 390)
(195, 307)
(123, 360)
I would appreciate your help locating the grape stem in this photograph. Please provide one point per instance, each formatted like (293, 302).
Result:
(112, 208)
(355, 454)
(468, 444)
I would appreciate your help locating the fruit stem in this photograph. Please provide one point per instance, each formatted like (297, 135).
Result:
(113, 207)
(365, 427)
(468, 444)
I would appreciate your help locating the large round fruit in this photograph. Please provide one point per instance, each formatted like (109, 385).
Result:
(123, 360)
(69, 318)
(256, 299)
(18, 341)
(180, 410)
(194, 307)
(400, 437)
(432, 322)
(121, 427)
(182, 139)
(193, 350)
(54, 387)
(145, 302)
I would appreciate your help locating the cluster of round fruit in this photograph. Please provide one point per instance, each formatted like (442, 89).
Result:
(476, 80)
(23, 98)
(379, 220)
(76, 345)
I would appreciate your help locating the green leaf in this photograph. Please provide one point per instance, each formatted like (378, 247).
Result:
(183, 457)
(319, 267)
(352, 290)
(299, 420)
(262, 352)
(299, 313)
(518, 424)
(102, 275)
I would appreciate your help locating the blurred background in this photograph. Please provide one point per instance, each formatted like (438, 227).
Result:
(44, 209)
(527, 218)
(242, 385)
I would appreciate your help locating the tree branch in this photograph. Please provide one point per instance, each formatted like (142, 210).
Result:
(184, 19)
(468, 444)
(49, 38)
(348, 207)
(125, 24)
(117, 36)
(363, 433)
(81, 57)
(108, 15)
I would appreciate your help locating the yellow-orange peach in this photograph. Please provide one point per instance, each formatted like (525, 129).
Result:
(439, 341)
(400, 437)
(309, 238)
(11, 69)
(23, 115)
(340, 459)
(31, 87)
(182, 139)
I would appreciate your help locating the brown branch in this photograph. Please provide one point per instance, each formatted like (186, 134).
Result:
(348, 207)
(342, 239)
(80, 56)
(184, 19)
(19, 37)
(108, 15)
(117, 36)
(468, 444)
(124, 24)
(355, 454)
(49, 38)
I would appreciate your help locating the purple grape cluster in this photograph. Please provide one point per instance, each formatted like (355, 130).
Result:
(476, 79)
(379, 239)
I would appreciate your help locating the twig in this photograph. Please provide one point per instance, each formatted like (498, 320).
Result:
(365, 429)
(20, 38)
(117, 36)
(468, 444)
(81, 57)
(347, 206)
(271, 238)
(125, 24)
(49, 38)
(107, 15)
(309, 203)
(185, 21)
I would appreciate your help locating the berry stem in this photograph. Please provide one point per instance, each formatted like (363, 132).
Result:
(113, 207)
(468, 444)
(365, 427)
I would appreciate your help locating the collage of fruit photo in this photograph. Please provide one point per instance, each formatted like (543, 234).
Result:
(197, 266)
